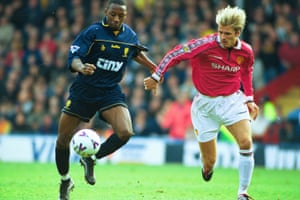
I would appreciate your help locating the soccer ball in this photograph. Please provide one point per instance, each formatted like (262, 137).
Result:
(86, 142)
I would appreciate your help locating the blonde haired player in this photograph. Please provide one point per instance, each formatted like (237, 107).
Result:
(222, 66)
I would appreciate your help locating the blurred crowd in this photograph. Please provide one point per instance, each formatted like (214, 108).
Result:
(35, 36)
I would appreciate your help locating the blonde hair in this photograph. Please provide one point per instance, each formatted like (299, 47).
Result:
(232, 16)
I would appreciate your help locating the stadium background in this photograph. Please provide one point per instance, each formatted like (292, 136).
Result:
(34, 41)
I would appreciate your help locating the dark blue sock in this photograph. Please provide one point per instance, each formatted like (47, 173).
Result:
(110, 145)
(62, 160)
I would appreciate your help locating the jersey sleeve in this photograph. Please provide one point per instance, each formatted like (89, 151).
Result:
(81, 45)
(180, 53)
(247, 75)
(138, 48)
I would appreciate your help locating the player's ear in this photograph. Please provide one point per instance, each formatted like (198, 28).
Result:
(237, 33)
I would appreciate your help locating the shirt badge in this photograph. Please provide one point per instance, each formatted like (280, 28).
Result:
(240, 59)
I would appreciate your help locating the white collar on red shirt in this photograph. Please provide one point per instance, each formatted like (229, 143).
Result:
(238, 46)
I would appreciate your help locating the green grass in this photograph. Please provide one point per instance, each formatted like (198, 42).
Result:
(35, 181)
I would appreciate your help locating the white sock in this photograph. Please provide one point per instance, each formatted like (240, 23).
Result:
(65, 177)
(246, 165)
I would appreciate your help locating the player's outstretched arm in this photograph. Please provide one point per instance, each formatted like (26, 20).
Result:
(144, 60)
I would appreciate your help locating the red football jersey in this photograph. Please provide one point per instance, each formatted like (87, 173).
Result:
(216, 71)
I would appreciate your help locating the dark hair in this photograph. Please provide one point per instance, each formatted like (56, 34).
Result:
(119, 2)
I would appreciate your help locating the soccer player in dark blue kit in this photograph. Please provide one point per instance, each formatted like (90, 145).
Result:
(99, 54)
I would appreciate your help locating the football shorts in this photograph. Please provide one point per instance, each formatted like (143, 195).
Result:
(209, 113)
(86, 110)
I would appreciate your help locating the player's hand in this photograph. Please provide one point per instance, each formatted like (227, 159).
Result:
(253, 109)
(88, 69)
(150, 84)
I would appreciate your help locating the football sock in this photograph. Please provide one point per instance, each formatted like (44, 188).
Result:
(246, 165)
(110, 145)
(62, 160)
(65, 177)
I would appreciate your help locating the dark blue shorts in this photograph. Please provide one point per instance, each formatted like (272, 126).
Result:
(86, 110)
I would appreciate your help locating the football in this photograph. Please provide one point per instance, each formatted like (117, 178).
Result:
(86, 142)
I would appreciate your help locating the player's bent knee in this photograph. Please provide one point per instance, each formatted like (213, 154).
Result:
(63, 140)
(125, 135)
(245, 144)
(62, 144)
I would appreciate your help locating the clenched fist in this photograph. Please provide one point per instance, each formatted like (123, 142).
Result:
(253, 109)
(150, 84)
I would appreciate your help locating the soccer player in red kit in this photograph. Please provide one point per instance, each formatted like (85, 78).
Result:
(221, 63)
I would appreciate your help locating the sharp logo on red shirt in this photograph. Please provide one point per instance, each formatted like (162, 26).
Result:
(225, 67)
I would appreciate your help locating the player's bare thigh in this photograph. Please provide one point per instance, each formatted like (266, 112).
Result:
(119, 118)
(242, 133)
(66, 128)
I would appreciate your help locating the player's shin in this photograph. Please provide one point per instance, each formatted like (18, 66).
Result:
(112, 143)
(246, 166)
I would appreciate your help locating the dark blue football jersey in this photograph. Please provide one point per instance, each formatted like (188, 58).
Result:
(108, 51)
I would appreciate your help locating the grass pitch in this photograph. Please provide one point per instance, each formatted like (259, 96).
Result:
(36, 181)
